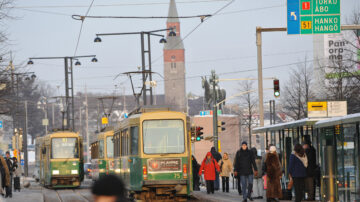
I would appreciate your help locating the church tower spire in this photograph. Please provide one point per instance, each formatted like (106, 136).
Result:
(174, 63)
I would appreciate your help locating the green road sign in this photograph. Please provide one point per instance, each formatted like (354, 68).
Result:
(315, 16)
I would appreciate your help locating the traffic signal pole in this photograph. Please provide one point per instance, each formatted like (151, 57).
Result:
(215, 118)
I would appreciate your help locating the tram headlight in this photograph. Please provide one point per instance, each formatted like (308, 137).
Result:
(55, 172)
(74, 172)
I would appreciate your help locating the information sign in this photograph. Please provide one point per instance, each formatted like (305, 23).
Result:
(313, 16)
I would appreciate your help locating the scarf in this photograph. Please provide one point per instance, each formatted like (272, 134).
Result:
(303, 159)
(207, 161)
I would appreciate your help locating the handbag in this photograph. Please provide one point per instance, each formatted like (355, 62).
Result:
(265, 181)
(290, 184)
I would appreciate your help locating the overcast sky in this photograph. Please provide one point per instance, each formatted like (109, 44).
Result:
(225, 42)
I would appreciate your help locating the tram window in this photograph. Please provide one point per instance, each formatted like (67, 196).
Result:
(101, 149)
(163, 136)
(64, 148)
(134, 140)
(109, 147)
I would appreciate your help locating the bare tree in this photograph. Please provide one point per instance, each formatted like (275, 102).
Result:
(5, 7)
(342, 74)
(248, 103)
(297, 92)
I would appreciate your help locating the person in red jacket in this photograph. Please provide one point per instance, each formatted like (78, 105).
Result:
(209, 165)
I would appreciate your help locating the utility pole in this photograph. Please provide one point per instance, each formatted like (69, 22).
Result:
(213, 80)
(87, 126)
(25, 142)
(53, 115)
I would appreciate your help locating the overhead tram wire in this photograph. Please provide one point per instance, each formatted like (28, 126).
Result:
(81, 26)
(195, 28)
(121, 4)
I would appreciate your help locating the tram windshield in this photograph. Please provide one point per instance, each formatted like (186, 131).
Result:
(64, 148)
(109, 147)
(163, 136)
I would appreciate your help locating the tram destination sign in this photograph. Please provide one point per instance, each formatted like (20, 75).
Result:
(313, 16)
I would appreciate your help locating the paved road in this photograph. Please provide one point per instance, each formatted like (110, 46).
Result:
(37, 193)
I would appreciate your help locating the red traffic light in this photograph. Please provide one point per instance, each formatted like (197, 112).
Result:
(276, 88)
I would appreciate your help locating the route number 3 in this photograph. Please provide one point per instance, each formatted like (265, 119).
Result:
(306, 25)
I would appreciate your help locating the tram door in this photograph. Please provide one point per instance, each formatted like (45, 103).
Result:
(339, 163)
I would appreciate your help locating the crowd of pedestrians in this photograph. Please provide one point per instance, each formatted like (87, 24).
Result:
(259, 177)
(9, 175)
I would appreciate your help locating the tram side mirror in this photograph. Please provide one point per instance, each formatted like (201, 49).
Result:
(44, 150)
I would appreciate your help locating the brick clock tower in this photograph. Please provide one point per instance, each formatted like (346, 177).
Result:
(174, 64)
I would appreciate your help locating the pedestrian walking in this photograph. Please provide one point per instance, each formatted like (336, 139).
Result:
(17, 174)
(196, 178)
(226, 168)
(310, 170)
(9, 163)
(209, 166)
(237, 177)
(258, 185)
(273, 171)
(245, 164)
(217, 157)
(4, 177)
(297, 170)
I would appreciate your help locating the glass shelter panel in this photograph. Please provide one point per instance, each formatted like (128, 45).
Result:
(347, 165)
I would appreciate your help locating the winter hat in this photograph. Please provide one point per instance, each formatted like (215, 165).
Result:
(272, 149)
(244, 143)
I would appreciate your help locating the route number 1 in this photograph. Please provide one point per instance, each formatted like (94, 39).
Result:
(306, 5)
(306, 25)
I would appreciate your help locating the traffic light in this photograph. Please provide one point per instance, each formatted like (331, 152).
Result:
(192, 132)
(276, 88)
(199, 133)
(220, 128)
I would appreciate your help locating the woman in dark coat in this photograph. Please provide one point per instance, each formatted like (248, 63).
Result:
(4, 175)
(273, 171)
(209, 165)
(297, 170)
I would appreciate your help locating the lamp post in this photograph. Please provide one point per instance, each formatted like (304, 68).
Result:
(146, 72)
(69, 83)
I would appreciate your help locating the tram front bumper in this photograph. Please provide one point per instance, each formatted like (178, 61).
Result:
(166, 186)
(63, 181)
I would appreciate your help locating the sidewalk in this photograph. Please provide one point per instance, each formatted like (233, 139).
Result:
(233, 195)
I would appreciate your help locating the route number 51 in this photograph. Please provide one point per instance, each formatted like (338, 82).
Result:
(306, 25)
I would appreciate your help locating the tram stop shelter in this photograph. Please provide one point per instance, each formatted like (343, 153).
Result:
(340, 157)
(285, 135)
(336, 141)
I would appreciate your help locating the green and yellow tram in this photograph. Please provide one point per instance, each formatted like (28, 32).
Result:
(152, 154)
(102, 154)
(60, 159)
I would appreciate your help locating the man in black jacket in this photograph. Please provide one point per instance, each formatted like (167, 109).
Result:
(9, 163)
(244, 165)
(310, 170)
(217, 157)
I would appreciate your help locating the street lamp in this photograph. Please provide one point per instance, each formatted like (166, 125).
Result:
(97, 39)
(163, 40)
(77, 63)
(146, 70)
(30, 62)
(69, 82)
